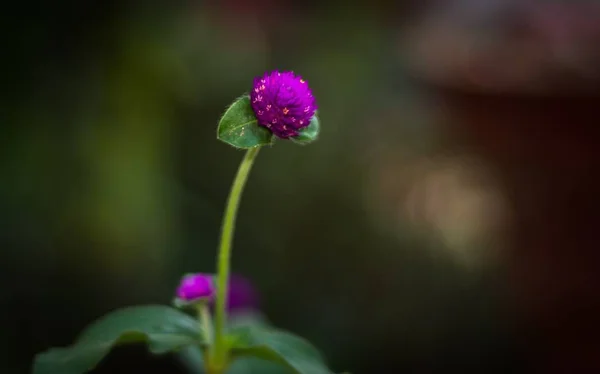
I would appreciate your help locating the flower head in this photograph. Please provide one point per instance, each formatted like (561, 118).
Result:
(283, 103)
(195, 286)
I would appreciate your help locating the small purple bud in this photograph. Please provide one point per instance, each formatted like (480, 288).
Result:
(283, 103)
(242, 295)
(195, 286)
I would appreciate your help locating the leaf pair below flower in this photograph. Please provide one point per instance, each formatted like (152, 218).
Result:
(255, 346)
(239, 127)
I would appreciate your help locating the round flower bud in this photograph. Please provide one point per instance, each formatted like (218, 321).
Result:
(283, 103)
(194, 287)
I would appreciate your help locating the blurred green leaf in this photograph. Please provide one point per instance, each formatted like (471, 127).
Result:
(162, 328)
(280, 347)
(253, 365)
(310, 133)
(238, 126)
(192, 357)
(193, 360)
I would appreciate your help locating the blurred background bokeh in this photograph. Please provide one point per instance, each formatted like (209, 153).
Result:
(446, 219)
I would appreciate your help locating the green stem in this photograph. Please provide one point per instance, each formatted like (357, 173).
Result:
(206, 322)
(227, 229)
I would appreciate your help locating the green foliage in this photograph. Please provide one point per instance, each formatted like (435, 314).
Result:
(310, 133)
(258, 348)
(255, 346)
(276, 346)
(193, 359)
(253, 365)
(239, 127)
(162, 328)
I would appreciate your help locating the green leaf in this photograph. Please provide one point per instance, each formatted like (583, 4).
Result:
(253, 365)
(308, 134)
(280, 347)
(192, 358)
(162, 328)
(238, 126)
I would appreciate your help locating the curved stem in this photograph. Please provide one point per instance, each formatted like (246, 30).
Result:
(227, 229)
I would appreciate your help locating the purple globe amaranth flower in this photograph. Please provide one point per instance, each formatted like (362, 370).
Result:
(196, 286)
(283, 103)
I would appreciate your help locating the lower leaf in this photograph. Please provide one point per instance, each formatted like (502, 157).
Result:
(161, 328)
(253, 365)
(280, 347)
